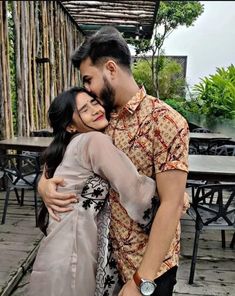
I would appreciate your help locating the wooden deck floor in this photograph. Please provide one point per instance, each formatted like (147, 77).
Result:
(18, 241)
(215, 270)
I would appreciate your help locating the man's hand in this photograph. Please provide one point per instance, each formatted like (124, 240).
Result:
(129, 289)
(55, 201)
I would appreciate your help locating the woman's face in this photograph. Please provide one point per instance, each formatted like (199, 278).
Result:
(89, 115)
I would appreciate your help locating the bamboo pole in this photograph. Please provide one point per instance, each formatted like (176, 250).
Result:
(5, 77)
(38, 68)
(34, 70)
(42, 30)
(52, 53)
(2, 122)
(18, 66)
(9, 123)
(30, 89)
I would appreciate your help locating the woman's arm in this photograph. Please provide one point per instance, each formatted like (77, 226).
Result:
(135, 191)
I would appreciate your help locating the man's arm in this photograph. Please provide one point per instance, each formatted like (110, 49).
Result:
(171, 187)
(55, 201)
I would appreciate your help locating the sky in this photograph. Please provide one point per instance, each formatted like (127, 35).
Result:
(209, 44)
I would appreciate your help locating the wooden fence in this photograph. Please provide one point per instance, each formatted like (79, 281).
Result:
(37, 39)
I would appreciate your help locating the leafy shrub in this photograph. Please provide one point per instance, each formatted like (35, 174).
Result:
(178, 105)
(216, 93)
(171, 83)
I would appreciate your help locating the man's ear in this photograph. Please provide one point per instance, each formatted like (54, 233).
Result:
(111, 66)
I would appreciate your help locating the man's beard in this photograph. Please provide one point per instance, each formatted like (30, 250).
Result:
(107, 96)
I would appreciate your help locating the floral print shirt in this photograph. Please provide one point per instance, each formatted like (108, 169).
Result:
(155, 137)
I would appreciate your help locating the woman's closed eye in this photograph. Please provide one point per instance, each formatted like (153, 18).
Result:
(83, 110)
(94, 102)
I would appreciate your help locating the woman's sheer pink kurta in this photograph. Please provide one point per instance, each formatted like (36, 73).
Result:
(66, 263)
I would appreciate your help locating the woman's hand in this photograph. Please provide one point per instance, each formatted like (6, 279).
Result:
(55, 202)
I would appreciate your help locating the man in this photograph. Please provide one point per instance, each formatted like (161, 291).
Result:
(155, 138)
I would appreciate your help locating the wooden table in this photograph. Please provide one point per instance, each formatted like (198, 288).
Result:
(37, 144)
(208, 136)
(212, 168)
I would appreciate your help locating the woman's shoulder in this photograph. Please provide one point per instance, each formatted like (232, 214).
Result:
(90, 138)
(94, 136)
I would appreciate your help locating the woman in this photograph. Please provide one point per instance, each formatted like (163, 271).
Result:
(89, 163)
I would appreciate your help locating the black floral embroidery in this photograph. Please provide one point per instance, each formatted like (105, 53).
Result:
(149, 214)
(99, 206)
(109, 281)
(85, 188)
(97, 192)
(94, 193)
(112, 264)
(87, 203)
(107, 274)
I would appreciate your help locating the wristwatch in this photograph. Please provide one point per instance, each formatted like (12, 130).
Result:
(146, 287)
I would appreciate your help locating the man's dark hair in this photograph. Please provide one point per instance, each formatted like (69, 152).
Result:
(105, 43)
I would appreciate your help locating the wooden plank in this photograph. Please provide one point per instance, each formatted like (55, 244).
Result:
(18, 238)
(205, 288)
(214, 277)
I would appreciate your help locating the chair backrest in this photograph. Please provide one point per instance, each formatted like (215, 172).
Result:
(42, 133)
(192, 149)
(214, 205)
(228, 150)
(23, 168)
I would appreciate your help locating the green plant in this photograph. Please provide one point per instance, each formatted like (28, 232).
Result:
(170, 16)
(216, 93)
(178, 105)
(171, 82)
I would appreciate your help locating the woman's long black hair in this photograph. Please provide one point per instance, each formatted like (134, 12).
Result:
(60, 115)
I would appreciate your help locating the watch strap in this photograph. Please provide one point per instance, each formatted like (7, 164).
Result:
(137, 279)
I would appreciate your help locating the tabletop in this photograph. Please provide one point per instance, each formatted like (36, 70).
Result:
(208, 136)
(212, 168)
(26, 143)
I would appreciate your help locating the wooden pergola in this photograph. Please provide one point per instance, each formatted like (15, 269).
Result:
(37, 39)
(130, 17)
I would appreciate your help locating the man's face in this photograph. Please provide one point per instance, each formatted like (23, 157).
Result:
(96, 82)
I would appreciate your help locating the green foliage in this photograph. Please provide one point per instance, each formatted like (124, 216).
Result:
(178, 105)
(171, 15)
(171, 83)
(216, 93)
(142, 74)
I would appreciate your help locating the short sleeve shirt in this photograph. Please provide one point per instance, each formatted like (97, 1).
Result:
(155, 137)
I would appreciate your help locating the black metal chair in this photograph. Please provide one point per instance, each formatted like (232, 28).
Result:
(228, 150)
(41, 133)
(212, 207)
(192, 150)
(2, 180)
(21, 172)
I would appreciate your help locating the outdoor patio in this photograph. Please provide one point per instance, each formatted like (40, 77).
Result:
(36, 43)
(215, 269)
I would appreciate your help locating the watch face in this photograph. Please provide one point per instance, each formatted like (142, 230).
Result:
(147, 288)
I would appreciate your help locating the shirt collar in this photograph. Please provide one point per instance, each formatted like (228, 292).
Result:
(132, 104)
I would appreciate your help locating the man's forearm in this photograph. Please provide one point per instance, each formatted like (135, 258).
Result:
(161, 235)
